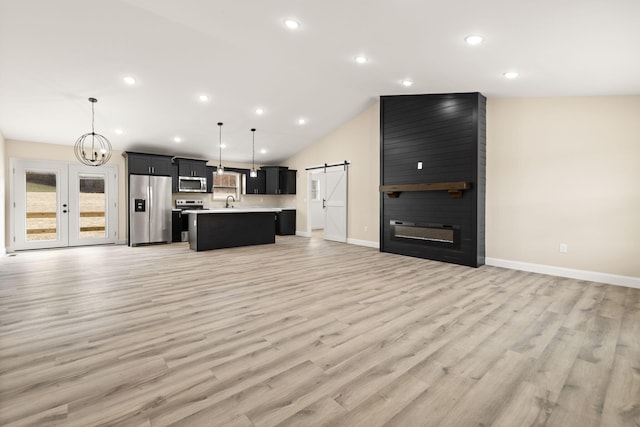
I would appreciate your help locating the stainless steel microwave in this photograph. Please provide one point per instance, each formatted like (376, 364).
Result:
(192, 184)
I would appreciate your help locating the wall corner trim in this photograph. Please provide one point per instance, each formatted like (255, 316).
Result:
(592, 276)
(302, 233)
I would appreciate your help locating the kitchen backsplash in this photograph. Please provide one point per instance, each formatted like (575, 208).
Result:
(249, 200)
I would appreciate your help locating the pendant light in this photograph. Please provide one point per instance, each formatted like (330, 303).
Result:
(99, 152)
(254, 172)
(220, 168)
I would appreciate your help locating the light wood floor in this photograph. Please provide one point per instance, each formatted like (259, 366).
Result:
(308, 333)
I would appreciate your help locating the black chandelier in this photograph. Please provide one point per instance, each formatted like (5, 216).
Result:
(99, 152)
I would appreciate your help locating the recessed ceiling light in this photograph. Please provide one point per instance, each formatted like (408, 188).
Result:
(474, 39)
(292, 24)
(259, 111)
(177, 139)
(263, 151)
(118, 131)
(361, 59)
(302, 121)
(223, 145)
(129, 80)
(407, 83)
(203, 98)
(511, 74)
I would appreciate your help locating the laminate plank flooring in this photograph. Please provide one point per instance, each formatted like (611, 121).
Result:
(308, 333)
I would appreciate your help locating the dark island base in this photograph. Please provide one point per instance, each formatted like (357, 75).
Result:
(222, 230)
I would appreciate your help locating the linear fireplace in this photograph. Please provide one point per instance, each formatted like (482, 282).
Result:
(430, 234)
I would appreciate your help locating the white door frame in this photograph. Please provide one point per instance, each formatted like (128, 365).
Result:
(17, 198)
(69, 171)
(110, 176)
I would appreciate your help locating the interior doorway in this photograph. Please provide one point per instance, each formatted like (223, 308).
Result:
(327, 202)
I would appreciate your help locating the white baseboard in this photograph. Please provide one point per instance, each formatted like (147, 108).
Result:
(121, 242)
(592, 276)
(358, 242)
(366, 243)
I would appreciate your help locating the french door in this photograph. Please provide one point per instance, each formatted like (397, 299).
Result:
(56, 204)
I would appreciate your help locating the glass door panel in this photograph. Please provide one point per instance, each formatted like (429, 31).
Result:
(41, 206)
(92, 207)
(93, 218)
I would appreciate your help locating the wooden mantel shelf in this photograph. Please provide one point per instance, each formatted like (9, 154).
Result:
(453, 188)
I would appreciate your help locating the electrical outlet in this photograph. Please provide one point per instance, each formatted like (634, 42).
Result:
(366, 228)
(564, 248)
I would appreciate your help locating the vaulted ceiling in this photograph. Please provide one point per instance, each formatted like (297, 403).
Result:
(54, 55)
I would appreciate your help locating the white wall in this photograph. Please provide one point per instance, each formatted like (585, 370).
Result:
(3, 210)
(357, 141)
(41, 151)
(559, 170)
(565, 170)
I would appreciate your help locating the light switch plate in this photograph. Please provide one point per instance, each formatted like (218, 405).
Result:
(419, 165)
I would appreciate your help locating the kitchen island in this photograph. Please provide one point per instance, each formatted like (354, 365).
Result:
(231, 227)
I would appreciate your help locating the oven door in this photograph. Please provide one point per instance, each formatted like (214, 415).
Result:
(190, 184)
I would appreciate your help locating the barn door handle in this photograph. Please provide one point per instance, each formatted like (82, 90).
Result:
(323, 204)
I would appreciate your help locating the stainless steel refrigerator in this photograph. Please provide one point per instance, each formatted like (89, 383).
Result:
(149, 209)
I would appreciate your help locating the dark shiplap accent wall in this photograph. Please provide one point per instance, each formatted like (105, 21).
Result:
(447, 133)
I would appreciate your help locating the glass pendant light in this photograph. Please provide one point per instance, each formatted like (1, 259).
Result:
(99, 152)
(254, 172)
(220, 168)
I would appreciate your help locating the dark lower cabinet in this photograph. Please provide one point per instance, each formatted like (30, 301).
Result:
(176, 226)
(229, 230)
(286, 222)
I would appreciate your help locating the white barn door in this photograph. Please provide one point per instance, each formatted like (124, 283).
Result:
(335, 204)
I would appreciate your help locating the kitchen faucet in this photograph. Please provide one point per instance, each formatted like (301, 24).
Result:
(227, 203)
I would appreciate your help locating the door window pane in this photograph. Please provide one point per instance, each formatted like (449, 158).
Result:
(41, 212)
(92, 207)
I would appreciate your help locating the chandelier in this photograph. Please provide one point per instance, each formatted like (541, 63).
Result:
(93, 149)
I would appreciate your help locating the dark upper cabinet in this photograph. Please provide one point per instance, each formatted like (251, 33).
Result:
(257, 185)
(148, 164)
(210, 170)
(174, 178)
(291, 181)
(192, 167)
(280, 180)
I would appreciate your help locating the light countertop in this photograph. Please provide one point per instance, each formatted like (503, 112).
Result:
(231, 210)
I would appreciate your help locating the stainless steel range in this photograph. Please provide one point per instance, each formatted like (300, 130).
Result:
(186, 205)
